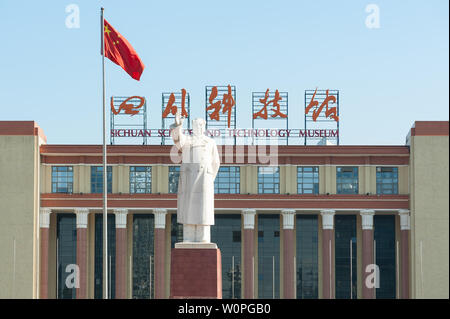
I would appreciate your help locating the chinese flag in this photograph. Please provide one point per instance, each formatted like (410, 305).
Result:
(120, 51)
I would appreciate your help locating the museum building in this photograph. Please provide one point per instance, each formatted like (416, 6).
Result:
(325, 222)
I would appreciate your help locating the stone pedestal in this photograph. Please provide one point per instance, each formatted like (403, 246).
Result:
(196, 271)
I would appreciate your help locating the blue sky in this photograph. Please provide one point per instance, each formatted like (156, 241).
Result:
(387, 77)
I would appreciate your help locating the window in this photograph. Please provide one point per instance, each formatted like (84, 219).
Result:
(387, 180)
(97, 179)
(268, 256)
(307, 257)
(143, 256)
(66, 233)
(345, 256)
(236, 236)
(227, 234)
(384, 242)
(62, 179)
(268, 180)
(140, 179)
(176, 231)
(347, 180)
(174, 174)
(227, 180)
(98, 259)
(307, 180)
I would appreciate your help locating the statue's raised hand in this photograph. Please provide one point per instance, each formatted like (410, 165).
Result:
(178, 119)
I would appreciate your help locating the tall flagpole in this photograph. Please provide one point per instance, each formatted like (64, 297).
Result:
(105, 172)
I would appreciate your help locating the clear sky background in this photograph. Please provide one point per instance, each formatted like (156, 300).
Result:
(387, 77)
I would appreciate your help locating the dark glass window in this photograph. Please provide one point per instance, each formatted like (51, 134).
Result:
(236, 236)
(226, 233)
(174, 175)
(66, 252)
(387, 180)
(307, 257)
(98, 266)
(176, 231)
(268, 180)
(140, 179)
(143, 256)
(345, 256)
(347, 180)
(97, 179)
(268, 256)
(62, 179)
(227, 180)
(308, 180)
(384, 245)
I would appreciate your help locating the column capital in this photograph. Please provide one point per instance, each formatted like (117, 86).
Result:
(367, 212)
(288, 218)
(367, 218)
(160, 218)
(121, 217)
(249, 218)
(405, 219)
(327, 218)
(44, 217)
(82, 217)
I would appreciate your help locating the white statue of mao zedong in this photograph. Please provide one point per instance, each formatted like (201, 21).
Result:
(200, 164)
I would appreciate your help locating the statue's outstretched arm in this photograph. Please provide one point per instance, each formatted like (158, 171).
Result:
(176, 131)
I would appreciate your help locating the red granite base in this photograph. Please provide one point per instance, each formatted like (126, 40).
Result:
(196, 273)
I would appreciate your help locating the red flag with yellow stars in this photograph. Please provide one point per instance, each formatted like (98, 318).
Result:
(120, 51)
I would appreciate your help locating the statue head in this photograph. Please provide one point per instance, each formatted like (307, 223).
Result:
(198, 126)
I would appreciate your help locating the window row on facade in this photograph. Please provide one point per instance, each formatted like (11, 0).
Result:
(227, 234)
(228, 179)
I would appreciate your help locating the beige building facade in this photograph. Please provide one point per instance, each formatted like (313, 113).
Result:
(324, 222)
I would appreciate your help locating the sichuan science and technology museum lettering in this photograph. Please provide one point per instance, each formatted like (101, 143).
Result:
(269, 117)
(229, 133)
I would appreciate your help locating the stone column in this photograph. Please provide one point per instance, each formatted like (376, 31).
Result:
(249, 253)
(405, 227)
(288, 253)
(44, 224)
(327, 253)
(82, 245)
(160, 252)
(368, 292)
(121, 252)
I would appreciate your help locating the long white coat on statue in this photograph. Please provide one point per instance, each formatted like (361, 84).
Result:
(200, 164)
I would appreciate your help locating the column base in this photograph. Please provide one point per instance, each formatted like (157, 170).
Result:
(196, 273)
